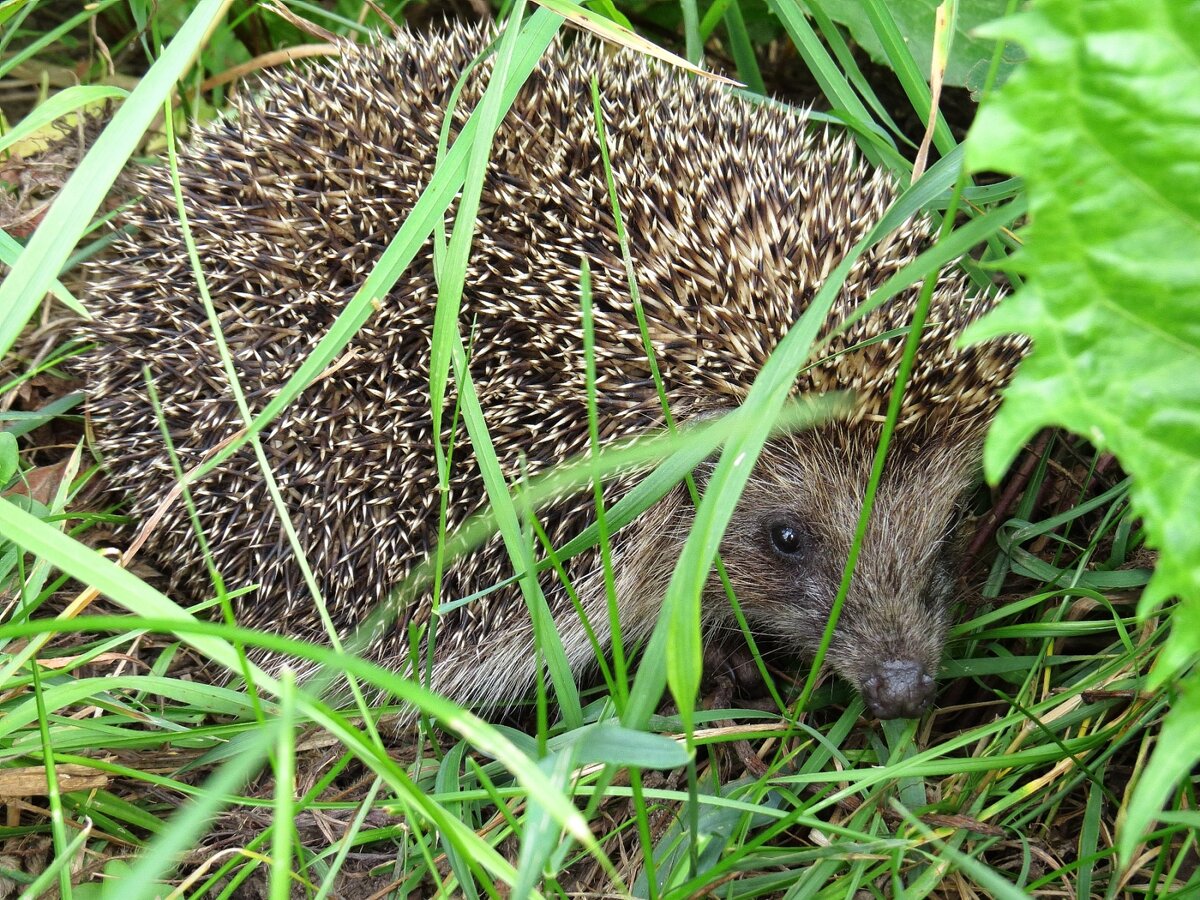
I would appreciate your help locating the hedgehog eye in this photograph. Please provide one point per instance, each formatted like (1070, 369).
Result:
(788, 539)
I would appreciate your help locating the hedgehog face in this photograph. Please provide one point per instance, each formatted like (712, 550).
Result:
(791, 535)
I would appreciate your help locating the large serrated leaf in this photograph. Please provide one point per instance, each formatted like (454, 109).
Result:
(1103, 122)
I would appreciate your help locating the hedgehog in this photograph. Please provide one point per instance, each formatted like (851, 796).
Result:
(735, 214)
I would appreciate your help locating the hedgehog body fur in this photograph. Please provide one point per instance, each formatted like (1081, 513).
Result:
(735, 212)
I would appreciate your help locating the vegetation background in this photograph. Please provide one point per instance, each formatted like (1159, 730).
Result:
(1060, 760)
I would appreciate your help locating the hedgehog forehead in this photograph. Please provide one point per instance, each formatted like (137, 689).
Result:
(821, 476)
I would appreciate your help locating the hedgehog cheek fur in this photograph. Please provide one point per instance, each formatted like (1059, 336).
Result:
(790, 537)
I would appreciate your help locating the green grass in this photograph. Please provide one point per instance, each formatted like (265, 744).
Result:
(1018, 783)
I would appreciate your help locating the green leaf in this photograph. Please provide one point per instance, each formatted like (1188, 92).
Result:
(614, 745)
(970, 50)
(1099, 123)
(1103, 123)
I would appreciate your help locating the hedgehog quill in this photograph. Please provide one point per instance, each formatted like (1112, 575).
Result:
(735, 214)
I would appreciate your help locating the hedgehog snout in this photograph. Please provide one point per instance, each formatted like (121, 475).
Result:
(898, 689)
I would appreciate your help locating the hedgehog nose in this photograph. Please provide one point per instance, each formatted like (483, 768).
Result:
(897, 689)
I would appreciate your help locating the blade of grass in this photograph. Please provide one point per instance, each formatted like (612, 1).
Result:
(56, 106)
(446, 782)
(284, 763)
(58, 828)
(447, 347)
(907, 362)
(742, 49)
(68, 216)
(986, 877)
(539, 834)
(901, 60)
(691, 31)
(47, 39)
(235, 388)
(827, 73)
(622, 37)
(833, 36)
(620, 672)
